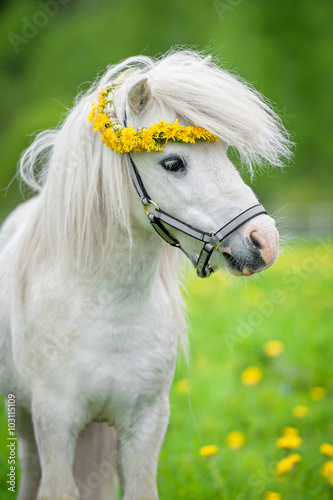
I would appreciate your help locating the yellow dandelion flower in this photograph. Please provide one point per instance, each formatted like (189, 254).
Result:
(180, 135)
(327, 471)
(158, 128)
(289, 442)
(128, 139)
(202, 133)
(273, 348)
(272, 495)
(183, 386)
(172, 130)
(209, 450)
(251, 375)
(92, 114)
(300, 411)
(235, 440)
(112, 140)
(326, 449)
(289, 430)
(317, 393)
(286, 464)
(147, 140)
(100, 122)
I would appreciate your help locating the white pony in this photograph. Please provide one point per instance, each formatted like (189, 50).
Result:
(90, 305)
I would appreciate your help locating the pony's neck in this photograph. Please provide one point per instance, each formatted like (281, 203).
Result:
(133, 264)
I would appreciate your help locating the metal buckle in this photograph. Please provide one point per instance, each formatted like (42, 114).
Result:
(203, 268)
(151, 202)
(215, 240)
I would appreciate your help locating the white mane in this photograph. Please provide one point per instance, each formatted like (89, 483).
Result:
(84, 186)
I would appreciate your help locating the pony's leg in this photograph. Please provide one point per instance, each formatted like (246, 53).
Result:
(28, 454)
(139, 450)
(56, 436)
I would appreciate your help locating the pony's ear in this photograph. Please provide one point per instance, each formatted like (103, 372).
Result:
(139, 96)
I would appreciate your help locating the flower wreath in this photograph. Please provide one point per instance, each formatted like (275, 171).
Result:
(127, 139)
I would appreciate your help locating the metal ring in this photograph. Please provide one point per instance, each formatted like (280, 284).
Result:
(151, 202)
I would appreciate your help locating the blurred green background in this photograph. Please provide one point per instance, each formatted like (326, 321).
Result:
(50, 50)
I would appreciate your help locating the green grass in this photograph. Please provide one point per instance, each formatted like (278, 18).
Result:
(292, 302)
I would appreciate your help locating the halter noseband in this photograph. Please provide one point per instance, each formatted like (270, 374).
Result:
(211, 241)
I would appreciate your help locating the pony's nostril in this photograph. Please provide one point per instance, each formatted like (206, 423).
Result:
(262, 244)
(254, 239)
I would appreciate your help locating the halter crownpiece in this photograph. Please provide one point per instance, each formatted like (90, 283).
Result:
(127, 139)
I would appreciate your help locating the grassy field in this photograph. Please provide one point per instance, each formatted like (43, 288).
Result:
(231, 330)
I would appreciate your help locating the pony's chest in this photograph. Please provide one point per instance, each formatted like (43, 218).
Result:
(126, 356)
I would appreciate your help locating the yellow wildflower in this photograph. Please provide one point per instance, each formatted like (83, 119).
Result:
(202, 133)
(100, 121)
(128, 139)
(251, 375)
(183, 386)
(300, 411)
(289, 442)
(209, 450)
(273, 348)
(272, 495)
(326, 449)
(317, 393)
(289, 430)
(286, 464)
(235, 440)
(327, 471)
(172, 130)
(146, 139)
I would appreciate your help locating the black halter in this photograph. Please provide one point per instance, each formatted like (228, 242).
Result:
(211, 241)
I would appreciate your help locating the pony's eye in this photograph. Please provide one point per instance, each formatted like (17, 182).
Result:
(173, 164)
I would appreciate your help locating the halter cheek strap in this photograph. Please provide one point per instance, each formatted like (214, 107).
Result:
(211, 241)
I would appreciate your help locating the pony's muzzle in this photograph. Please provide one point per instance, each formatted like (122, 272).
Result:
(253, 248)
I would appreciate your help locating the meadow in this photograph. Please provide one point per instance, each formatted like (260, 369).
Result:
(258, 388)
